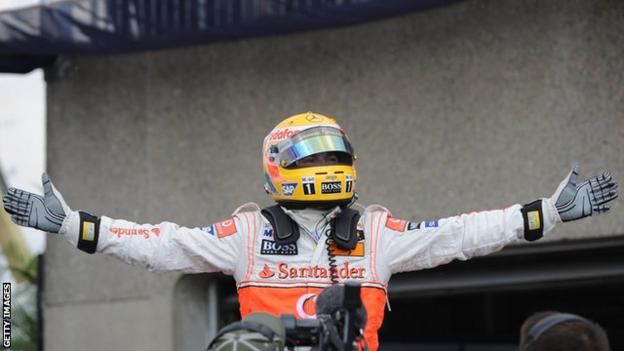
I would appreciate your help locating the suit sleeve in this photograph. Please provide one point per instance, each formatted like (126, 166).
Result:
(410, 246)
(166, 246)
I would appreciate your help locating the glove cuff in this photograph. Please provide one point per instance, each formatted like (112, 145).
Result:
(89, 232)
(533, 217)
(81, 230)
(539, 218)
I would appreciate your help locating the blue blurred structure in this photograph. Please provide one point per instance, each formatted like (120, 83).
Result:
(32, 37)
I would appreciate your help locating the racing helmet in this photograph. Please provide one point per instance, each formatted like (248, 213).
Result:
(295, 184)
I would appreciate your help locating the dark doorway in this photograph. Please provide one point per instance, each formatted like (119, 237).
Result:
(480, 304)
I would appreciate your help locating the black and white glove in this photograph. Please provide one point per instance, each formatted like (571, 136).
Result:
(51, 214)
(45, 212)
(575, 201)
(571, 201)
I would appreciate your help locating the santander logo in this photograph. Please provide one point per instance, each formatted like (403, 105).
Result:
(266, 272)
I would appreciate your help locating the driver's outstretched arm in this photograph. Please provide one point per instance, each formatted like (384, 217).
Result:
(410, 246)
(162, 247)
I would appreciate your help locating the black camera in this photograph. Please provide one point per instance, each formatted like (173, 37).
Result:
(338, 326)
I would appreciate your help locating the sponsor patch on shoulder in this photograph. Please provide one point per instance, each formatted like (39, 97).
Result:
(210, 229)
(225, 228)
(267, 232)
(397, 225)
(431, 224)
(413, 225)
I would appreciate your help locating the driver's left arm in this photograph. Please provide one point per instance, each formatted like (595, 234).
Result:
(409, 246)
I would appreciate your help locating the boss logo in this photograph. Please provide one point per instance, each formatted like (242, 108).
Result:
(270, 247)
(331, 187)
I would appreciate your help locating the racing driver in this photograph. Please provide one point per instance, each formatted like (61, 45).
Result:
(282, 256)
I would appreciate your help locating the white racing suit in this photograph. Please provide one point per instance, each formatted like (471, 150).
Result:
(286, 278)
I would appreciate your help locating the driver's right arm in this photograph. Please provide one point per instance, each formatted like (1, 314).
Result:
(162, 247)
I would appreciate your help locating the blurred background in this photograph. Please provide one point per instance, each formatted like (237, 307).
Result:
(156, 110)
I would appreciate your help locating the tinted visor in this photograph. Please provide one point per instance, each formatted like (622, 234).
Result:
(313, 141)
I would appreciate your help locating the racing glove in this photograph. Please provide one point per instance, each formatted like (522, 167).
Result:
(45, 212)
(50, 213)
(571, 201)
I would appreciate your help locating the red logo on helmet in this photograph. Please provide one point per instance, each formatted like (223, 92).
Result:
(282, 134)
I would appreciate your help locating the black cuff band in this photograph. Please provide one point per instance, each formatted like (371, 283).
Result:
(533, 220)
(89, 232)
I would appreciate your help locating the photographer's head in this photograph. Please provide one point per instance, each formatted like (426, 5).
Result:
(260, 331)
(554, 331)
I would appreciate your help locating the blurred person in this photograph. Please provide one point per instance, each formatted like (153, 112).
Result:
(282, 256)
(555, 331)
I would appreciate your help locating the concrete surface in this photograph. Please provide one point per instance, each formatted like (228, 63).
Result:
(478, 105)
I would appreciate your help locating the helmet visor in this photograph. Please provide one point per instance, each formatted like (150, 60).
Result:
(313, 141)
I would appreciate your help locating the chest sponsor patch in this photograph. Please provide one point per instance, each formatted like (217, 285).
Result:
(284, 271)
(225, 228)
(267, 232)
(358, 251)
(266, 272)
(270, 247)
(398, 225)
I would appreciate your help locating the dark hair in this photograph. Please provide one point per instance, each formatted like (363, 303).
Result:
(571, 334)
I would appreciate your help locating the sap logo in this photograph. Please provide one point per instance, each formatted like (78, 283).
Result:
(331, 187)
(289, 188)
(270, 247)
